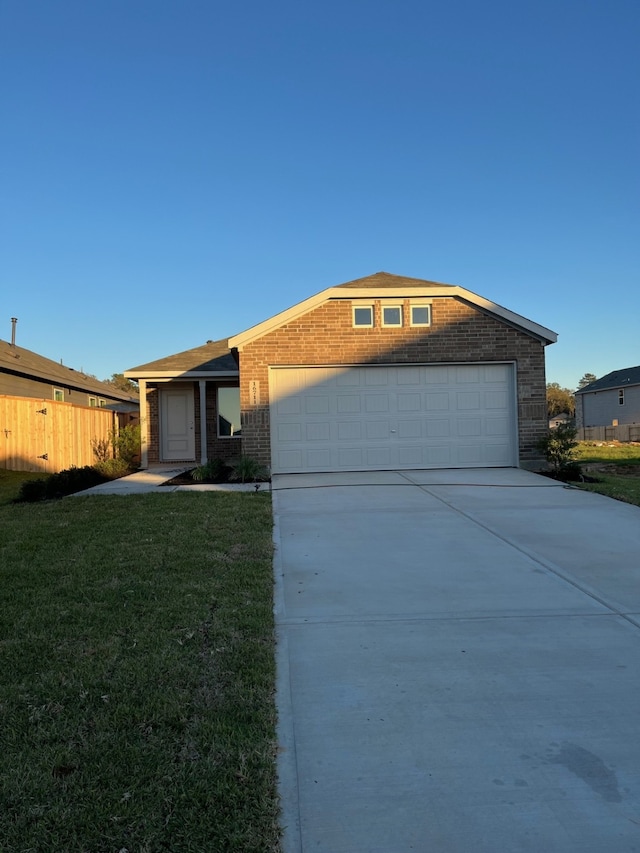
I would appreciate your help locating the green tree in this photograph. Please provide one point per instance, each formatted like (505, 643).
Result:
(127, 385)
(560, 400)
(587, 379)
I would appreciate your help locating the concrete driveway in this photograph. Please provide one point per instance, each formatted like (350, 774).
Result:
(459, 664)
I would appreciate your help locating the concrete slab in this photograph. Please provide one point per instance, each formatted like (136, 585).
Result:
(448, 679)
(154, 479)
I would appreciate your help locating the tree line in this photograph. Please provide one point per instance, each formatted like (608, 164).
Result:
(562, 400)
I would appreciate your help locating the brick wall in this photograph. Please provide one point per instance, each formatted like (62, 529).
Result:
(459, 332)
(223, 448)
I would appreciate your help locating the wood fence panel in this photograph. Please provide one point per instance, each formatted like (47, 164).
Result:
(622, 432)
(45, 436)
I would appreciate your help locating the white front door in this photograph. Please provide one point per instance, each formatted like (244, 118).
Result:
(177, 435)
(392, 416)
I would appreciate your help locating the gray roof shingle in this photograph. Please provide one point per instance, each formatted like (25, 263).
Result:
(616, 379)
(18, 360)
(212, 357)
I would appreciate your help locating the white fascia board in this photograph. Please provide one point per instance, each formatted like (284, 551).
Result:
(510, 316)
(410, 292)
(160, 375)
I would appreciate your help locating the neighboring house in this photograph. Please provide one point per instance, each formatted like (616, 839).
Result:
(562, 418)
(610, 401)
(26, 374)
(381, 373)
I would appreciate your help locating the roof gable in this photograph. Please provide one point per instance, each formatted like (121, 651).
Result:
(383, 284)
(616, 379)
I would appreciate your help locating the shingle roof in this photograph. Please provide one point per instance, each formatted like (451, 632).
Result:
(22, 361)
(212, 357)
(616, 379)
(387, 279)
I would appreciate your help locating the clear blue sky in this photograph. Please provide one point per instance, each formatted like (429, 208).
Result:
(174, 172)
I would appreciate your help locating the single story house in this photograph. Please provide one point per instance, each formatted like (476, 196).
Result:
(381, 373)
(24, 373)
(562, 418)
(610, 401)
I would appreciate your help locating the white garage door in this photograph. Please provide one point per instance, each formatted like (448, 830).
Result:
(383, 418)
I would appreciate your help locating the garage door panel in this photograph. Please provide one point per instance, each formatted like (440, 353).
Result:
(377, 429)
(318, 432)
(437, 402)
(496, 400)
(469, 427)
(349, 431)
(317, 405)
(469, 400)
(376, 403)
(351, 419)
(409, 402)
(349, 403)
(409, 429)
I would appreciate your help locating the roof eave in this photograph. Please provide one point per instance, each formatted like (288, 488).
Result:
(181, 374)
(411, 291)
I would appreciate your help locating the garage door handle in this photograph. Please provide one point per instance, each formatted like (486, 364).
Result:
(393, 430)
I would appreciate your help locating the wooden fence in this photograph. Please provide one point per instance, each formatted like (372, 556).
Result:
(45, 436)
(623, 432)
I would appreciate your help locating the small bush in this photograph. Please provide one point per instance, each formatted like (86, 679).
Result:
(112, 469)
(559, 448)
(214, 469)
(126, 444)
(101, 449)
(61, 484)
(247, 469)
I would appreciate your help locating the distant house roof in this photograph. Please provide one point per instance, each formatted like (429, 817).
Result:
(23, 362)
(616, 379)
(212, 357)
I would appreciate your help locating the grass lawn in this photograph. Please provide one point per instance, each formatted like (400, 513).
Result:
(616, 467)
(10, 482)
(137, 674)
(612, 454)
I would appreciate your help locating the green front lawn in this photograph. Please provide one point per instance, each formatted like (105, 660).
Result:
(10, 482)
(612, 454)
(616, 467)
(137, 674)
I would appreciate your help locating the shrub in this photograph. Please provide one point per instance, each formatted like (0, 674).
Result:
(245, 468)
(559, 448)
(112, 469)
(214, 469)
(59, 485)
(101, 449)
(126, 444)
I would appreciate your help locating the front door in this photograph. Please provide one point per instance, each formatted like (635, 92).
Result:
(177, 435)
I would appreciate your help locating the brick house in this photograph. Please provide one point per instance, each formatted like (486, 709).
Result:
(381, 373)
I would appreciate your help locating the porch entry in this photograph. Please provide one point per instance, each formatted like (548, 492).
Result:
(177, 434)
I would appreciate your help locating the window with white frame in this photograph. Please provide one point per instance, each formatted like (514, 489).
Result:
(420, 314)
(102, 403)
(363, 316)
(58, 395)
(228, 412)
(621, 397)
(93, 402)
(392, 315)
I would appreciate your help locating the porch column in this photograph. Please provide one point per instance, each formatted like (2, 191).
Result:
(203, 421)
(144, 426)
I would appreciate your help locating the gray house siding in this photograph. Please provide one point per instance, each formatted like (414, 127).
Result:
(601, 408)
(21, 386)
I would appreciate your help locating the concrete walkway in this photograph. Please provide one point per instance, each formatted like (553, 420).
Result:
(153, 480)
(459, 664)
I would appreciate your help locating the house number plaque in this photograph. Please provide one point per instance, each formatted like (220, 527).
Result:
(254, 392)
